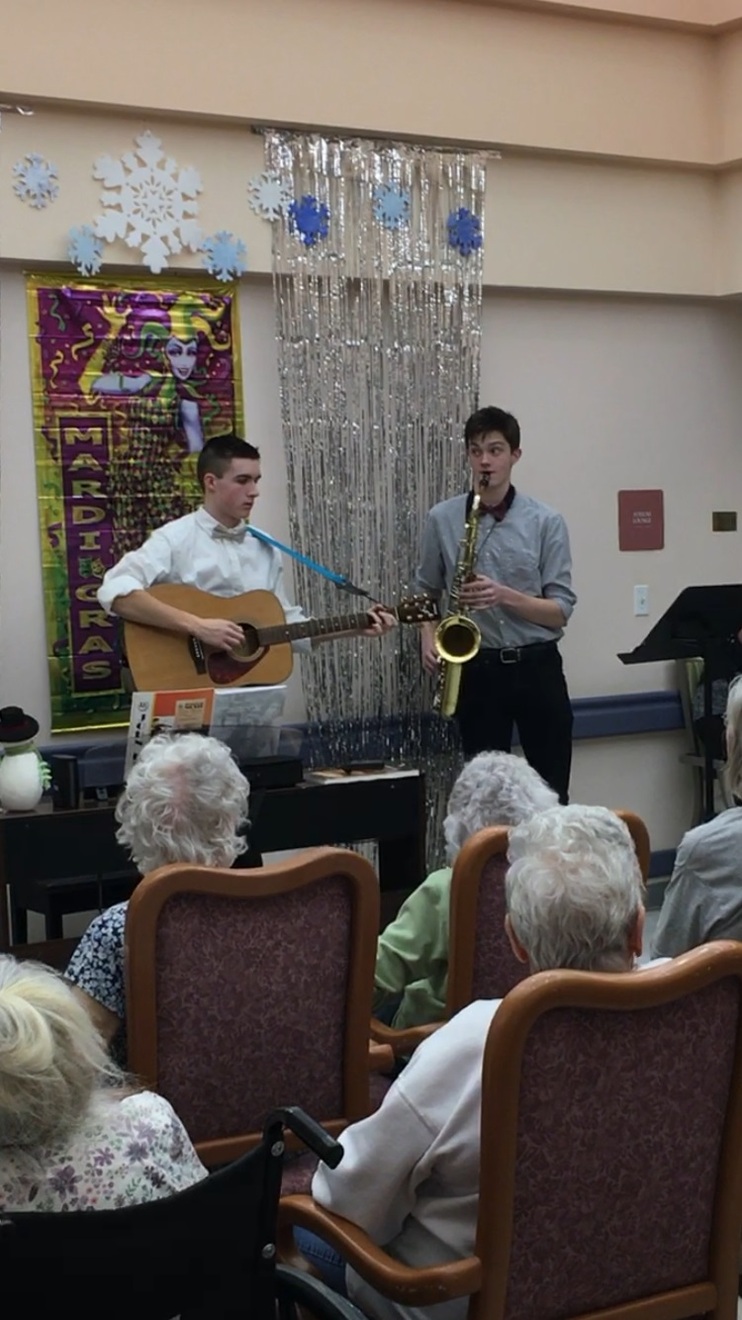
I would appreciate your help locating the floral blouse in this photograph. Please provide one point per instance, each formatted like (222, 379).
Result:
(128, 1151)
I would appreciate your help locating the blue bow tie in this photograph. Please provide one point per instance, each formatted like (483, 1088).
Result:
(220, 533)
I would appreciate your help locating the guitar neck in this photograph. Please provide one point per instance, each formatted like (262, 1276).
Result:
(293, 632)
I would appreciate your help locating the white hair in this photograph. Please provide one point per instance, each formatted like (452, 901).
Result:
(733, 721)
(574, 889)
(494, 788)
(185, 801)
(53, 1063)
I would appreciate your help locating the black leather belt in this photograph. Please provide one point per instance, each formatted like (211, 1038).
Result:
(512, 655)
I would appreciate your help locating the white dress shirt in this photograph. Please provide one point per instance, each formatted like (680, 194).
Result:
(187, 551)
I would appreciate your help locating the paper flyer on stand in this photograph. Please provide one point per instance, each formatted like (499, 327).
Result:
(247, 719)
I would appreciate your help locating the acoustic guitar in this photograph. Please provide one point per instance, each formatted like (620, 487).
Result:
(165, 661)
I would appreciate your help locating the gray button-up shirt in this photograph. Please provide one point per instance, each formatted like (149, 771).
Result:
(703, 900)
(528, 551)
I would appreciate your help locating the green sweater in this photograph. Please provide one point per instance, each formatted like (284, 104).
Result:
(412, 954)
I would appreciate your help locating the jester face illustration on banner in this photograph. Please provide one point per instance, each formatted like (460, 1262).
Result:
(129, 382)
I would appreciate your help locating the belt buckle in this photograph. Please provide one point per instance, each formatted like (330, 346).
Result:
(509, 655)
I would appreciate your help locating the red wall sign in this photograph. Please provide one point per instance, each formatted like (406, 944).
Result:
(641, 520)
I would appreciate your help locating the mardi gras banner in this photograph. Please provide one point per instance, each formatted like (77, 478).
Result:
(129, 381)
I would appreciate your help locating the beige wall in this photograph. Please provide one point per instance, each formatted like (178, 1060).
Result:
(703, 14)
(425, 68)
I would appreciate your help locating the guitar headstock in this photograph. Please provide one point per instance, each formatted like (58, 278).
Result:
(418, 609)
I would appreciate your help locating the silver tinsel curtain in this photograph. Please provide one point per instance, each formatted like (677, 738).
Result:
(379, 328)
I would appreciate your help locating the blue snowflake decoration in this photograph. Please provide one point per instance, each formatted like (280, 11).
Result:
(310, 219)
(85, 250)
(224, 255)
(391, 206)
(36, 181)
(464, 231)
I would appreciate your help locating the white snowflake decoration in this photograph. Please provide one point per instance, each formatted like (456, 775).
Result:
(224, 255)
(268, 195)
(36, 180)
(85, 250)
(150, 202)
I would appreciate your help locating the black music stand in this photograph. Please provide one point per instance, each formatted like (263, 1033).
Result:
(702, 621)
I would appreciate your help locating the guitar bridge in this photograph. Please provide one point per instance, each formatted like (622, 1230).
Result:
(198, 655)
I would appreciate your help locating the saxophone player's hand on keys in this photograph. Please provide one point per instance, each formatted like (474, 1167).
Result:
(481, 593)
(430, 656)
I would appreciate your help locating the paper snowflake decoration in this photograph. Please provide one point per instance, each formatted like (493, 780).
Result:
(149, 201)
(464, 231)
(310, 219)
(224, 255)
(391, 206)
(85, 250)
(268, 195)
(36, 181)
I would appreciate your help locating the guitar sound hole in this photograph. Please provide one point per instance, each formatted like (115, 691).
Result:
(250, 646)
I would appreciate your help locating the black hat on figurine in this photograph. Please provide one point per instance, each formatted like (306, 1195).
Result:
(16, 726)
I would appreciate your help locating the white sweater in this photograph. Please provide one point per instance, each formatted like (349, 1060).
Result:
(410, 1172)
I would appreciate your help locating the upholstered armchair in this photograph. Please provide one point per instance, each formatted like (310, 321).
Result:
(248, 990)
(611, 1153)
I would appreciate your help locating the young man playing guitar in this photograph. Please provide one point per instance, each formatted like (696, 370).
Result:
(212, 550)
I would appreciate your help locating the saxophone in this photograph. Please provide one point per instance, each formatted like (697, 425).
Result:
(457, 637)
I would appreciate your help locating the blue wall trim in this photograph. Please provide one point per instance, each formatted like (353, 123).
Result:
(102, 764)
(661, 863)
(627, 713)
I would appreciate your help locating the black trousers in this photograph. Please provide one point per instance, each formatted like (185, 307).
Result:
(530, 693)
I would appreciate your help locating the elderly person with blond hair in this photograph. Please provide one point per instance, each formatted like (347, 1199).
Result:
(494, 788)
(73, 1133)
(410, 1173)
(185, 801)
(703, 900)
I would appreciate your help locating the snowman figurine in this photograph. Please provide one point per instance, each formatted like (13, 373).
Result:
(23, 773)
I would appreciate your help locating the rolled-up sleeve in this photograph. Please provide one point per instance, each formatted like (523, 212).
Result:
(294, 613)
(137, 570)
(431, 573)
(556, 565)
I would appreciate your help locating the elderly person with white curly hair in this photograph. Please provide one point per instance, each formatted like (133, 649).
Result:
(74, 1135)
(410, 1173)
(185, 800)
(494, 788)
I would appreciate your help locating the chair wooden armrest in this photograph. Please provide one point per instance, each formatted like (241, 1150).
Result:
(401, 1283)
(380, 1057)
(403, 1040)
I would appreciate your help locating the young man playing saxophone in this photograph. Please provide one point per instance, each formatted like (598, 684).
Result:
(520, 595)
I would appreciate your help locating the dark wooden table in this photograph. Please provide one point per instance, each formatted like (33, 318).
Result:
(69, 861)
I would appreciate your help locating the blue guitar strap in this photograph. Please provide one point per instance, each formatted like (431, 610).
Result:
(340, 579)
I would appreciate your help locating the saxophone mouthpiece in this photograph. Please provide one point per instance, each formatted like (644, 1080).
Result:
(484, 480)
